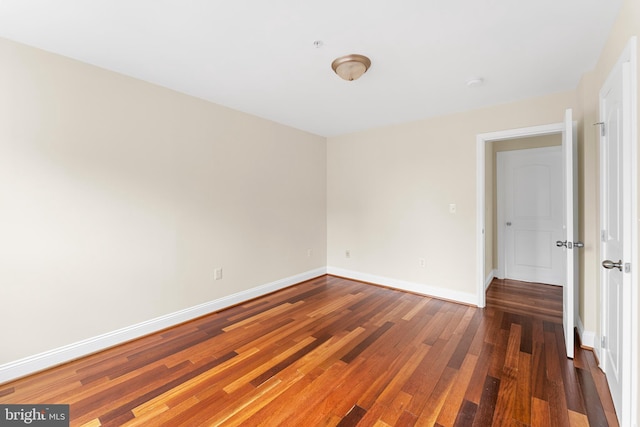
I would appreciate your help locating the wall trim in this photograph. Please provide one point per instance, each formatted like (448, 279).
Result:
(419, 288)
(48, 359)
(489, 279)
(587, 338)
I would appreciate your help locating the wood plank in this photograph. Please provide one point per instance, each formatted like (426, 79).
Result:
(466, 414)
(454, 400)
(362, 346)
(476, 383)
(487, 406)
(580, 420)
(437, 398)
(396, 408)
(539, 372)
(540, 413)
(332, 351)
(353, 417)
(522, 405)
(505, 403)
(594, 409)
(265, 371)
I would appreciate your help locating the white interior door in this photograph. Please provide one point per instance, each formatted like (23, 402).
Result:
(615, 229)
(571, 242)
(532, 201)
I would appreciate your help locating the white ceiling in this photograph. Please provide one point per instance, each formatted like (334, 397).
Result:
(258, 56)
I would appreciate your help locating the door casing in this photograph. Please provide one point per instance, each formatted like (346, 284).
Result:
(567, 129)
(483, 280)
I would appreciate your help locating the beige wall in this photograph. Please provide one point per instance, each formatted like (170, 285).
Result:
(389, 192)
(118, 199)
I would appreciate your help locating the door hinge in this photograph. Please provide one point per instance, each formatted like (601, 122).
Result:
(627, 267)
(602, 127)
(603, 342)
(603, 235)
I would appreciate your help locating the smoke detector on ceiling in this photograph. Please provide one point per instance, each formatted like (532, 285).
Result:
(475, 82)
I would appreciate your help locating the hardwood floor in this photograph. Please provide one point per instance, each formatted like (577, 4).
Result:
(332, 351)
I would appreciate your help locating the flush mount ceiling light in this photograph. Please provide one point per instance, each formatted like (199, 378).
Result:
(351, 67)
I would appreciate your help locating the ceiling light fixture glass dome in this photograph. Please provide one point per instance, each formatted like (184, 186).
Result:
(351, 67)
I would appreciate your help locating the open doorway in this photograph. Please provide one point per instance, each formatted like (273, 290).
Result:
(487, 145)
(485, 214)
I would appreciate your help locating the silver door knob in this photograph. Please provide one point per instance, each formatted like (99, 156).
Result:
(560, 243)
(608, 264)
(578, 245)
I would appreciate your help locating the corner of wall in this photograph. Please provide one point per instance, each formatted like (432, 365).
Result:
(419, 288)
(57, 356)
(587, 338)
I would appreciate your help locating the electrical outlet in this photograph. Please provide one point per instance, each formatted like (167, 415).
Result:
(452, 208)
(422, 262)
(347, 253)
(217, 274)
(309, 252)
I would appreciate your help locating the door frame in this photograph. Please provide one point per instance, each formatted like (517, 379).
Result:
(629, 339)
(483, 279)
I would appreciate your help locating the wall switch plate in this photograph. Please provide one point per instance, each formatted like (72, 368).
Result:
(309, 252)
(347, 253)
(217, 274)
(452, 208)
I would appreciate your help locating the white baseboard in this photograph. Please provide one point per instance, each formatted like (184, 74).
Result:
(448, 294)
(587, 338)
(489, 279)
(47, 359)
